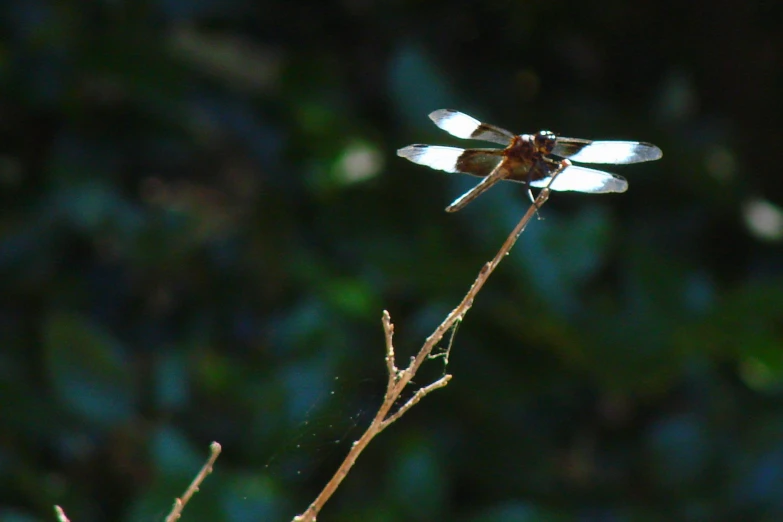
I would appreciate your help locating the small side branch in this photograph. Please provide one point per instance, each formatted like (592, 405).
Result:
(419, 395)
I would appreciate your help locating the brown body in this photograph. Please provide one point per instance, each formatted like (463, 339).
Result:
(523, 160)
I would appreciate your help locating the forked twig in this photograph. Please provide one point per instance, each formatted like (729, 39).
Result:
(420, 393)
(399, 379)
(179, 504)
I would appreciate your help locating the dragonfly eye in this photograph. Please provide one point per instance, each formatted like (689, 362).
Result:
(544, 141)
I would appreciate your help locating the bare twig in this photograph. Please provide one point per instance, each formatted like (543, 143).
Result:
(399, 379)
(445, 354)
(420, 393)
(179, 504)
(60, 514)
(388, 330)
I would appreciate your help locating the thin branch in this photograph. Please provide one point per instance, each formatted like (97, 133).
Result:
(179, 503)
(419, 395)
(388, 330)
(60, 514)
(399, 379)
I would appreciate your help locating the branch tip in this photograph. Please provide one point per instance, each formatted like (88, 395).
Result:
(61, 517)
(206, 469)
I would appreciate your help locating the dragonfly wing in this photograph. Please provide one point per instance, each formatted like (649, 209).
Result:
(477, 162)
(618, 152)
(581, 179)
(463, 126)
(433, 156)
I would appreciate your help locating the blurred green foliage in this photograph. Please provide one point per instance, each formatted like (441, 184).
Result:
(203, 217)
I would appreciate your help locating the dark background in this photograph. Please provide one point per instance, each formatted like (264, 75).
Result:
(203, 217)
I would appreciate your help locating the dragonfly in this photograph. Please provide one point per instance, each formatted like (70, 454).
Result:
(533, 159)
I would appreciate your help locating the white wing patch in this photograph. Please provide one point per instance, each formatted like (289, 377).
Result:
(433, 156)
(455, 123)
(581, 179)
(618, 152)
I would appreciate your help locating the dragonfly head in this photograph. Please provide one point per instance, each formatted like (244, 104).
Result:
(544, 141)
